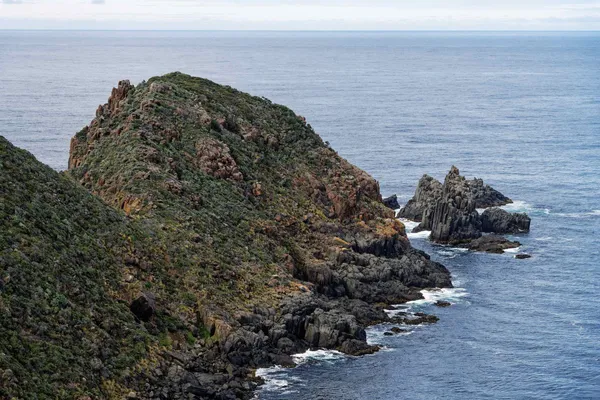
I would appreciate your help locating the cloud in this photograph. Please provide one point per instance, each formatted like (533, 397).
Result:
(12, 1)
(98, 2)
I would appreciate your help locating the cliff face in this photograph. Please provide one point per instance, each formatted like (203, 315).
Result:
(230, 237)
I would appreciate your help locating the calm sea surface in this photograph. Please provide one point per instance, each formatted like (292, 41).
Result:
(521, 110)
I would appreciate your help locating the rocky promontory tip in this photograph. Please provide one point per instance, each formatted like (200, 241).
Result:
(199, 233)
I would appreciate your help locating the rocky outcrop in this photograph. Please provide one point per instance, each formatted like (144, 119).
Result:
(391, 202)
(497, 220)
(485, 196)
(144, 306)
(454, 218)
(429, 191)
(449, 211)
(491, 244)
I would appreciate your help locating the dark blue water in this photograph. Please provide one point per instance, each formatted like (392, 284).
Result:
(521, 110)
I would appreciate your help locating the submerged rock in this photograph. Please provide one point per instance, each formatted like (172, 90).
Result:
(497, 220)
(522, 256)
(442, 303)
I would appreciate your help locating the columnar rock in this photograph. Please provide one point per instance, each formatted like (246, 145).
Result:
(499, 221)
(429, 191)
(454, 217)
(485, 196)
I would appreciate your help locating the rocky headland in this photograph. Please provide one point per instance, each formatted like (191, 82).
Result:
(449, 211)
(198, 234)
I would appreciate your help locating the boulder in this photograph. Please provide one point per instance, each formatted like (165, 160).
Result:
(391, 202)
(491, 244)
(355, 347)
(442, 303)
(397, 330)
(329, 329)
(497, 220)
(144, 306)
(429, 191)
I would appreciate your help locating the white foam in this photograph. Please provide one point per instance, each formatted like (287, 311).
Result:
(452, 295)
(515, 250)
(410, 225)
(518, 206)
(587, 214)
(418, 235)
(545, 239)
(317, 355)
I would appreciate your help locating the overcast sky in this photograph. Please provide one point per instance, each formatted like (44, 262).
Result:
(301, 15)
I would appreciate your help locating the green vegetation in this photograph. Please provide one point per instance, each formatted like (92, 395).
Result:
(194, 191)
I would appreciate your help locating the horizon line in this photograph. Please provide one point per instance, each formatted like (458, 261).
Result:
(299, 30)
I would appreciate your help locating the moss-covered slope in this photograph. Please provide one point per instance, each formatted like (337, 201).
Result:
(63, 331)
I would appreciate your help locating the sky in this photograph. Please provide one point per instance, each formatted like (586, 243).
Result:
(301, 15)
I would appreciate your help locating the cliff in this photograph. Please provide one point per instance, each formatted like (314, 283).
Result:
(199, 233)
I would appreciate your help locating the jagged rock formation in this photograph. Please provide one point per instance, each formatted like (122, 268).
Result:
(485, 196)
(454, 218)
(449, 211)
(228, 236)
(419, 208)
(499, 221)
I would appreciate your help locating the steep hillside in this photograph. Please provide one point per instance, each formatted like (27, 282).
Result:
(228, 236)
(63, 332)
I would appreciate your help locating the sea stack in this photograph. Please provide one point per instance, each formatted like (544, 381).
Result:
(449, 211)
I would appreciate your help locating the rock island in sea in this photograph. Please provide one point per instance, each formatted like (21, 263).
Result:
(198, 234)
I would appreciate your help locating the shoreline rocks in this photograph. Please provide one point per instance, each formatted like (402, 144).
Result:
(491, 244)
(497, 220)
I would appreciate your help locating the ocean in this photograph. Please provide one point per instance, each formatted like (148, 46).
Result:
(519, 109)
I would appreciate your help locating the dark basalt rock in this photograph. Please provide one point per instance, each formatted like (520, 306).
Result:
(491, 244)
(388, 333)
(485, 196)
(391, 202)
(417, 319)
(454, 218)
(357, 348)
(397, 330)
(522, 256)
(442, 303)
(429, 191)
(144, 306)
(497, 220)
